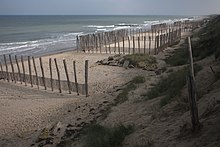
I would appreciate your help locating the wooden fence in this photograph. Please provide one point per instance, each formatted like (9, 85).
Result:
(26, 72)
(131, 41)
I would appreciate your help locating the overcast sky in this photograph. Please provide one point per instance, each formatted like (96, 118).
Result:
(103, 7)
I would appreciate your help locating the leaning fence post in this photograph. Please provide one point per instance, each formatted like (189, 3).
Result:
(51, 74)
(23, 67)
(29, 65)
(149, 44)
(6, 68)
(58, 75)
(35, 69)
(192, 92)
(129, 46)
(19, 71)
(123, 39)
(133, 45)
(42, 70)
(12, 69)
(86, 78)
(75, 77)
(67, 76)
(139, 48)
(144, 44)
(2, 77)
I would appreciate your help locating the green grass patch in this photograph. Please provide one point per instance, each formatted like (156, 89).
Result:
(136, 58)
(138, 80)
(208, 43)
(179, 57)
(123, 96)
(170, 86)
(100, 136)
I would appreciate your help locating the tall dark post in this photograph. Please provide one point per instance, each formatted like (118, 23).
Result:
(42, 70)
(18, 67)
(58, 75)
(29, 65)
(51, 74)
(86, 78)
(75, 77)
(67, 75)
(6, 68)
(12, 69)
(23, 67)
(35, 69)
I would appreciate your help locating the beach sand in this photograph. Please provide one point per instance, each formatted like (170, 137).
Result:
(25, 110)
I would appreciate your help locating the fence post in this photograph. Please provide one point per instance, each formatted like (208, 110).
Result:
(75, 77)
(2, 77)
(35, 69)
(86, 78)
(129, 45)
(123, 39)
(139, 48)
(144, 44)
(18, 67)
(23, 67)
(58, 75)
(149, 44)
(42, 70)
(6, 67)
(51, 74)
(12, 69)
(29, 65)
(133, 45)
(67, 76)
(192, 92)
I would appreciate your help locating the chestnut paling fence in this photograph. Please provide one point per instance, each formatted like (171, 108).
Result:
(24, 70)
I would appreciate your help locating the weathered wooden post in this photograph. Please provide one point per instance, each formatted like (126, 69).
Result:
(42, 70)
(86, 78)
(115, 45)
(139, 48)
(144, 44)
(51, 74)
(23, 67)
(119, 46)
(12, 69)
(129, 45)
(77, 43)
(18, 67)
(192, 92)
(133, 45)
(6, 68)
(123, 39)
(2, 75)
(67, 76)
(75, 77)
(35, 69)
(58, 75)
(149, 44)
(29, 65)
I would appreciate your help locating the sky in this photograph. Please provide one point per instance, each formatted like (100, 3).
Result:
(109, 7)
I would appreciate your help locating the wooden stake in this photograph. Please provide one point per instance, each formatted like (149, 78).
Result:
(12, 69)
(2, 76)
(75, 77)
(123, 39)
(58, 75)
(129, 45)
(149, 44)
(35, 69)
(139, 48)
(86, 77)
(192, 92)
(29, 65)
(23, 67)
(144, 44)
(6, 68)
(51, 74)
(67, 76)
(133, 45)
(18, 67)
(42, 70)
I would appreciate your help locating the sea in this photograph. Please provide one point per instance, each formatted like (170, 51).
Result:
(41, 35)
